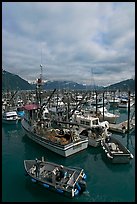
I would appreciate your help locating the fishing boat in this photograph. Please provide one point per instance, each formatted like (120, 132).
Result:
(115, 151)
(67, 181)
(63, 141)
(10, 117)
(37, 127)
(92, 127)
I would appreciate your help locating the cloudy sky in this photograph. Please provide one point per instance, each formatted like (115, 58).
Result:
(91, 42)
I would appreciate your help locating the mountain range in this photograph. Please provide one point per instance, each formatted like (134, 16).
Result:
(14, 82)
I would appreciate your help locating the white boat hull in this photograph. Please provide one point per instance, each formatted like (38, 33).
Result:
(9, 122)
(9, 117)
(94, 142)
(63, 150)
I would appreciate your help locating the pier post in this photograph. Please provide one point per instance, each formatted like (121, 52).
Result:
(57, 101)
(96, 101)
(113, 100)
(103, 105)
(128, 125)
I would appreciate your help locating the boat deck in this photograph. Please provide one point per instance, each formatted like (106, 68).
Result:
(120, 127)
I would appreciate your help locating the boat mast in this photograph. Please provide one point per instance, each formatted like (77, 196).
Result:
(39, 88)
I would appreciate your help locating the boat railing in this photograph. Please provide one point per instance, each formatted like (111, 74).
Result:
(78, 177)
(71, 179)
(121, 153)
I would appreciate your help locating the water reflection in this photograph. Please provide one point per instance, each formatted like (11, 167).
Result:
(33, 150)
(130, 142)
(40, 193)
(11, 130)
(95, 152)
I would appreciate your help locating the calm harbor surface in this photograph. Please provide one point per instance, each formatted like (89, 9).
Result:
(106, 182)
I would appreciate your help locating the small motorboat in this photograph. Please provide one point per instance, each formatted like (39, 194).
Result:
(69, 181)
(116, 151)
(10, 117)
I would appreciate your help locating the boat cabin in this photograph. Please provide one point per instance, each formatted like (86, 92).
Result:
(31, 112)
(87, 120)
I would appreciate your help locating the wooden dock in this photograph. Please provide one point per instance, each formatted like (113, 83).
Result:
(120, 127)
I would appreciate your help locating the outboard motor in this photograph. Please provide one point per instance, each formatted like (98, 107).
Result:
(82, 185)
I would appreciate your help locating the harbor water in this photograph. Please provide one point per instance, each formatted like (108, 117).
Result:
(106, 182)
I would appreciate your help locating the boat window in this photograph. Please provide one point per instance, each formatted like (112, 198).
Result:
(87, 123)
(82, 122)
(95, 122)
(11, 116)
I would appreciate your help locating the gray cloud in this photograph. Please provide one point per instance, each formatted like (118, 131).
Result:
(74, 38)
